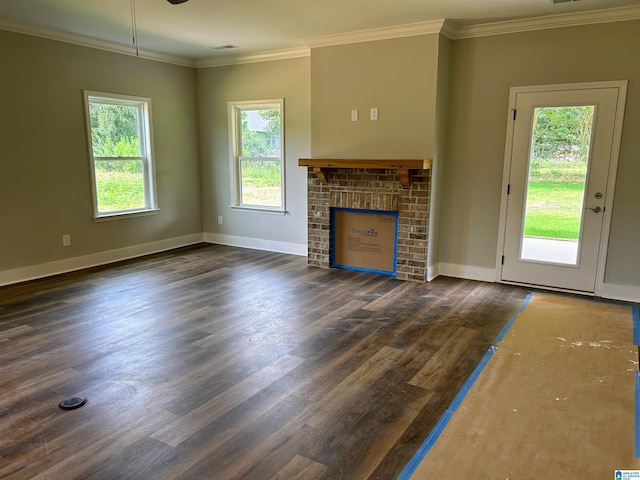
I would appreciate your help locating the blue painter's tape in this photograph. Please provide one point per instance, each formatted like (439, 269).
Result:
(508, 325)
(636, 325)
(446, 416)
(506, 328)
(426, 446)
(424, 449)
(472, 379)
(637, 414)
(525, 302)
(368, 270)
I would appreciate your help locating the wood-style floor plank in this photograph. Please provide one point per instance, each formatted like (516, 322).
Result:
(214, 362)
(182, 428)
(300, 468)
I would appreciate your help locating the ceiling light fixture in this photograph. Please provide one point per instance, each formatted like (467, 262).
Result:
(134, 23)
(226, 47)
(134, 26)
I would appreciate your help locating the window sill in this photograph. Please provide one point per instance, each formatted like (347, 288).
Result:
(268, 211)
(120, 215)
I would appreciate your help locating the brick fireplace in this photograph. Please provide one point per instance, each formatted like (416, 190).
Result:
(343, 184)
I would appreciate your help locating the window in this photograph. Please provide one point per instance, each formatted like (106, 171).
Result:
(257, 154)
(119, 131)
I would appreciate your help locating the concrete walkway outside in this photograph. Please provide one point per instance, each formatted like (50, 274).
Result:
(548, 250)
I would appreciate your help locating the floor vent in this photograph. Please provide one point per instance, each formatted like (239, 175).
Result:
(73, 402)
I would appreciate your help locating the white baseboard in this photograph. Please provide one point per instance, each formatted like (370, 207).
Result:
(467, 272)
(625, 293)
(33, 272)
(432, 272)
(257, 244)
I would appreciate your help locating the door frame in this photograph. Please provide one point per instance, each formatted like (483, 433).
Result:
(621, 85)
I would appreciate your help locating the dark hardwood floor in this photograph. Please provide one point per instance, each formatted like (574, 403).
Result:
(215, 362)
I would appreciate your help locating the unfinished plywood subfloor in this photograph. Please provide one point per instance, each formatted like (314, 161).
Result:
(556, 399)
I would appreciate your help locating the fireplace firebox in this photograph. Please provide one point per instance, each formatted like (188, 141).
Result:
(365, 240)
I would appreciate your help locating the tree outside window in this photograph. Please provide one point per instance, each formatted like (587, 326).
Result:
(120, 150)
(257, 154)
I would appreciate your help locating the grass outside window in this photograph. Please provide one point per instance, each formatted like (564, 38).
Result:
(120, 185)
(555, 198)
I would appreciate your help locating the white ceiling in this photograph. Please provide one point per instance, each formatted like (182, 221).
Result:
(194, 29)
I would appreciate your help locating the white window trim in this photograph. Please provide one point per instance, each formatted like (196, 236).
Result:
(146, 146)
(235, 127)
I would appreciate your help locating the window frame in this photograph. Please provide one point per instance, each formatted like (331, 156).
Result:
(145, 138)
(235, 108)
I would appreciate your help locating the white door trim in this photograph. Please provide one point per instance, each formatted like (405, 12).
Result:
(621, 85)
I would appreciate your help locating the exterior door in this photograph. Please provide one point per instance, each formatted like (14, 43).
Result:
(560, 171)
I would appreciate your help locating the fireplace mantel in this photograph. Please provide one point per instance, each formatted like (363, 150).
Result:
(403, 167)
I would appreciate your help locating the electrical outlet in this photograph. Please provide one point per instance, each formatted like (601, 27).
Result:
(66, 240)
(374, 113)
(219, 219)
(354, 115)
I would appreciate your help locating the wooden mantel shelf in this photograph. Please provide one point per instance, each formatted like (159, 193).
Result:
(404, 167)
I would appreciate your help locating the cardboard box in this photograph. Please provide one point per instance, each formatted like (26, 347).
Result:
(364, 240)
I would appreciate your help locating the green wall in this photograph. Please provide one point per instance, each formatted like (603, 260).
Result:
(45, 186)
(288, 79)
(440, 150)
(437, 98)
(482, 72)
(398, 76)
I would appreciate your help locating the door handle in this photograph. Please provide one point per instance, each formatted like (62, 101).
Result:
(595, 209)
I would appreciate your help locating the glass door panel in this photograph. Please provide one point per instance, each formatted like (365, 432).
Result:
(560, 147)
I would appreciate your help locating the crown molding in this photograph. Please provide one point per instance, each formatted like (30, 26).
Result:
(408, 30)
(91, 42)
(258, 57)
(607, 15)
(449, 29)
(456, 32)
(445, 27)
